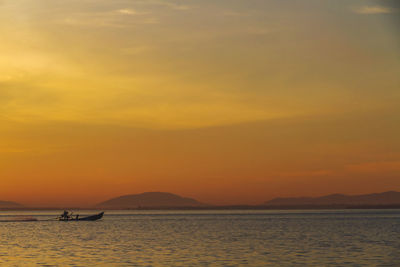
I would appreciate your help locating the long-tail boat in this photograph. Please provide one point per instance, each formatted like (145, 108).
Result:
(67, 218)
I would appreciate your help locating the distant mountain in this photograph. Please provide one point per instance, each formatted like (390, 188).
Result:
(149, 200)
(9, 205)
(385, 198)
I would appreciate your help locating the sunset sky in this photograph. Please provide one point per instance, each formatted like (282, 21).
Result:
(225, 101)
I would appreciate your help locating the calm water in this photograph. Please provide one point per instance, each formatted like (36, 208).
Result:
(203, 238)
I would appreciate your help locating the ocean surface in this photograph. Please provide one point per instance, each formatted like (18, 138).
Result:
(203, 238)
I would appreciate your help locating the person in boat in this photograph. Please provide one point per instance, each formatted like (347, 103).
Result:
(65, 215)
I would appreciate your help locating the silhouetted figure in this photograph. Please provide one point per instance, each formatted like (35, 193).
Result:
(65, 215)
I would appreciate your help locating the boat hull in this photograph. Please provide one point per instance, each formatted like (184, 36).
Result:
(87, 218)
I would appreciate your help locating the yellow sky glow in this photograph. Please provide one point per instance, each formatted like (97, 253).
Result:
(229, 101)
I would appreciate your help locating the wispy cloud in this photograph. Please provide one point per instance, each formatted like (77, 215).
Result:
(374, 10)
(369, 167)
(171, 5)
(308, 173)
(127, 11)
(115, 18)
(180, 7)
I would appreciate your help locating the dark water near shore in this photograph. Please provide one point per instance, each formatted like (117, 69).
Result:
(204, 238)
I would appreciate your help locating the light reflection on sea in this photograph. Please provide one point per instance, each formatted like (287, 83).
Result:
(204, 238)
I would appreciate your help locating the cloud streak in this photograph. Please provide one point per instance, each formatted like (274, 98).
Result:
(127, 11)
(120, 18)
(370, 10)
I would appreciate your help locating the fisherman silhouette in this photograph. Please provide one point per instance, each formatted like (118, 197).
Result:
(65, 215)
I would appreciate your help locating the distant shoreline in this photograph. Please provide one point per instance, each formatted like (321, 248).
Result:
(170, 201)
(235, 207)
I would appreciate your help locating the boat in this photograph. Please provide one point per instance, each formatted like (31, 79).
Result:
(77, 218)
(92, 217)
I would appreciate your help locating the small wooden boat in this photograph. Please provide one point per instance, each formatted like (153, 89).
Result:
(92, 217)
(87, 218)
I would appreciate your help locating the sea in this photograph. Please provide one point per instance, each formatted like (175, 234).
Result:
(203, 238)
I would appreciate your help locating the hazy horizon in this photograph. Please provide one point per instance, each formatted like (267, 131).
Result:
(90, 205)
(223, 101)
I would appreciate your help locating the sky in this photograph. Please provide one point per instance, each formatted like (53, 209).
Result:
(227, 101)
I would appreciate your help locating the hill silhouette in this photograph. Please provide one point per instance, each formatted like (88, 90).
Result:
(376, 199)
(149, 200)
(10, 205)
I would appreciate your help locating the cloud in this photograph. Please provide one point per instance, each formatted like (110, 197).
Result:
(385, 166)
(127, 11)
(180, 7)
(367, 10)
(120, 18)
(312, 173)
(171, 5)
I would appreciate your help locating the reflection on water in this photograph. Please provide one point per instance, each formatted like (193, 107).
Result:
(219, 238)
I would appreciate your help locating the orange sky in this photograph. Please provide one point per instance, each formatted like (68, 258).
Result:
(228, 102)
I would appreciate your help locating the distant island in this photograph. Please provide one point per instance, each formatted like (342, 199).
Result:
(150, 200)
(390, 198)
(165, 200)
(10, 205)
